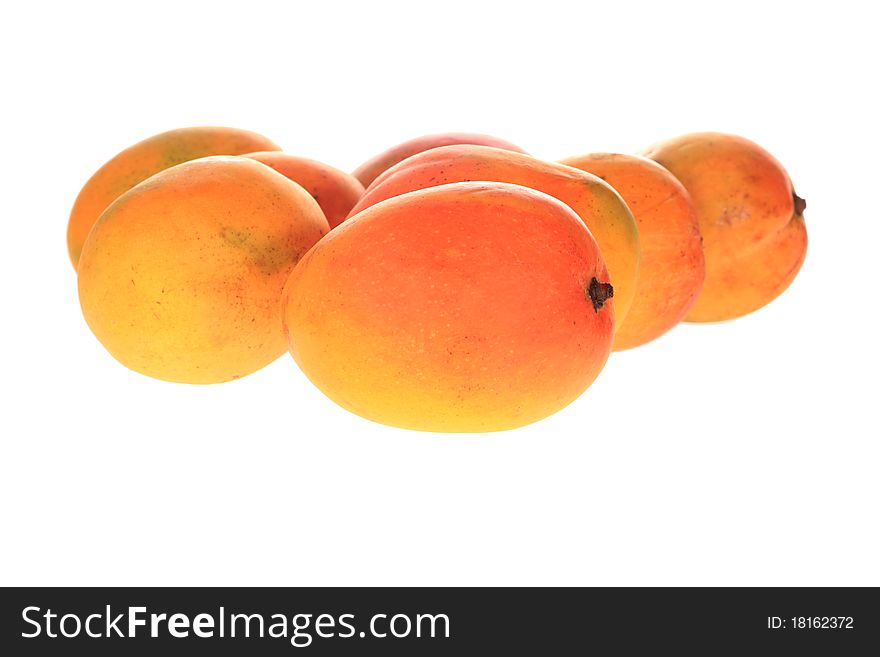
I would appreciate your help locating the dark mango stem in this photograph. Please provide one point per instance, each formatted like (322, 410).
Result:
(599, 293)
(799, 204)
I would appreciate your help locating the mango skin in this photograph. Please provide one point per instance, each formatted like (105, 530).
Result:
(369, 170)
(599, 206)
(181, 277)
(335, 191)
(754, 236)
(671, 267)
(137, 163)
(461, 308)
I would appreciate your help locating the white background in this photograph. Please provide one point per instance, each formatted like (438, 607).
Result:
(736, 453)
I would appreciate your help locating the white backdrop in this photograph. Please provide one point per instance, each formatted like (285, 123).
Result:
(737, 453)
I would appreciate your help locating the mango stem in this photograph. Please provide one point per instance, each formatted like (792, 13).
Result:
(799, 204)
(599, 293)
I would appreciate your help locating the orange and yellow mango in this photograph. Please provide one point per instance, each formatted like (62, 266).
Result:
(671, 268)
(181, 277)
(752, 222)
(464, 307)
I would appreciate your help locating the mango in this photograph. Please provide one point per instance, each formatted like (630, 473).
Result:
(334, 190)
(181, 277)
(139, 162)
(461, 308)
(369, 170)
(599, 206)
(671, 267)
(752, 222)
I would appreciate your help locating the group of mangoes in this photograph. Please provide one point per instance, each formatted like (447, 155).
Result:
(453, 283)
